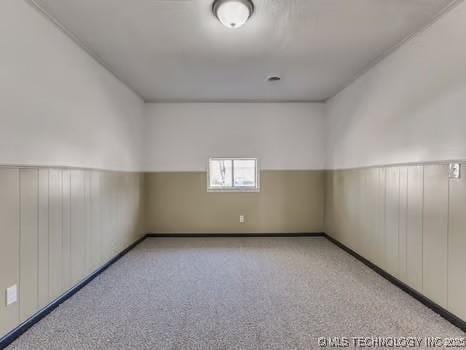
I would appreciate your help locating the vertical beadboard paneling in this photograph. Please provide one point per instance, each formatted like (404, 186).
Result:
(141, 212)
(409, 221)
(87, 223)
(113, 235)
(66, 229)
(369, 216)
(364, 203)
(28, 180)
(346, 199)
(106, 217)
(392, 220)
(457, 247)
(78, 234)
(59, 225)
(339, 213)
(435, 225)
(43, 243)
(329, 206)
(353, 208)
(119, 222)
(127, 204)
(403, 224)
(414, 226)
(379, 247)
(9, 247)
(332, 217)
(95, 224)
(55, 233)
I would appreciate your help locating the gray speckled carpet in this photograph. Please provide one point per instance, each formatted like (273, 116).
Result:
(232, 293)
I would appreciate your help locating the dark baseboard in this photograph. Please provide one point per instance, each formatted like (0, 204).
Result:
(231, 235)
(23, 327)
(453, 319)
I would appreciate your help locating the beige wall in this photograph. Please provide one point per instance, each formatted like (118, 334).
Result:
(408, 220)
(57, 226)
(288, 202)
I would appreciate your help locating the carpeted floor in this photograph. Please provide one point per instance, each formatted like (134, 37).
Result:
(232, 293)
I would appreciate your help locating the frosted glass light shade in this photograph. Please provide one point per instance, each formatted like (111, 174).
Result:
(233, 13)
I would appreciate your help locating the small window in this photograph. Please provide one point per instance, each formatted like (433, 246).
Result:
(233, 174)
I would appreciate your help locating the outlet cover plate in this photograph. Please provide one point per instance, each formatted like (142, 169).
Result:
(11, 295)
(454, 171)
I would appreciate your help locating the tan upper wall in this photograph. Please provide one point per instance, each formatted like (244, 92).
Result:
(289, 201)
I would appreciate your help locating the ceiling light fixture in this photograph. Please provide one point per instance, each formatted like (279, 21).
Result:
(233, 13)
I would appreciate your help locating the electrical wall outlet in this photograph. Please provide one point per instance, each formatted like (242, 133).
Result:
(11, 295)
(241, 219)
(454, 171)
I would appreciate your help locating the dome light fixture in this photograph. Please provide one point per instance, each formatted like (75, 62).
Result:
(233, 13)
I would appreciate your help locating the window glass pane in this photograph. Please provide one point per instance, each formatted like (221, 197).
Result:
(220, 173)
(245, 173)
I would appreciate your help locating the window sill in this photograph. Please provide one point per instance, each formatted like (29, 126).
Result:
(234, 190)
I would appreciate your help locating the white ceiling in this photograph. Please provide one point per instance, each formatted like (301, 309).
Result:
(176, 50)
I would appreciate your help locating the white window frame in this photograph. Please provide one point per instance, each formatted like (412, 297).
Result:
(234, 188)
